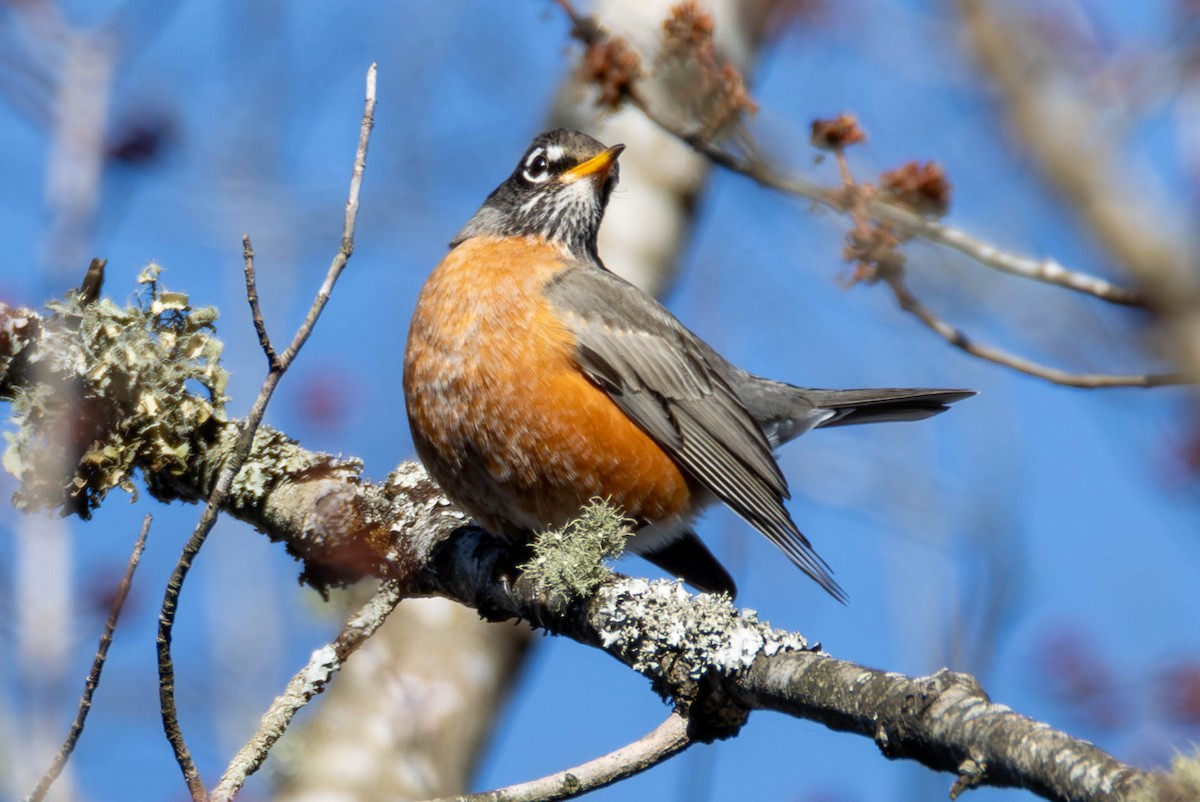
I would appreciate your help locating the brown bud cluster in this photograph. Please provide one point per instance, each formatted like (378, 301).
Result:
(733, 89)
(923, 188)
(873, 250)
(613, 67)
(837, 134)
(688, 27)
(707, 85)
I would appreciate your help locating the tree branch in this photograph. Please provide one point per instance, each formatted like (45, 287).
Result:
(910, 303)
(947, 722)
(590, 32)
(1154, 240)
(665, 741)
(306, 684)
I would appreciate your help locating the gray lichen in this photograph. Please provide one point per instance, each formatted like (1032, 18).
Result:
(116, 389)
(654, 622)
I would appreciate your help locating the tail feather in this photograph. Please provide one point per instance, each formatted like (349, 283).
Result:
(785, 411)
(688, 558)
(851, 407)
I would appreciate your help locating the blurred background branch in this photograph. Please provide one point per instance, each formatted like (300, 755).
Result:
(1058, 118)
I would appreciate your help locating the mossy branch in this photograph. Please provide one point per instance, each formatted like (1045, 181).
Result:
(118, 389)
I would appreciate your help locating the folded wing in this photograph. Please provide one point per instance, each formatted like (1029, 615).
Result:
(672, 385)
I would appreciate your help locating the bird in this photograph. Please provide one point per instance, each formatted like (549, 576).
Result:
(536, 379)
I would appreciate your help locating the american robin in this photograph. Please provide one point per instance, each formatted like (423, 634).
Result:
(535, 380)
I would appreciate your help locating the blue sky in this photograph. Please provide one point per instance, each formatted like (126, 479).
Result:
(1075, 502)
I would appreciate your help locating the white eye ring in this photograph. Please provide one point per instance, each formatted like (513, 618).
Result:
(537, 167)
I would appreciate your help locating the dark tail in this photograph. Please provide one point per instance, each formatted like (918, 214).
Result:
(691, 560)
(882, 405)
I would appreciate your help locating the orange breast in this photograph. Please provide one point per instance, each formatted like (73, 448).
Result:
(501, 416)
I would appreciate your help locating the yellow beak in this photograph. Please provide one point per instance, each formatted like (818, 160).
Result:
(599, 165)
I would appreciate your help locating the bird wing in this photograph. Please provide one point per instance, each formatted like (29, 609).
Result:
(672, 385)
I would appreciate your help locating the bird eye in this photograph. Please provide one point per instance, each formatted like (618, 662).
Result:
(537, 167)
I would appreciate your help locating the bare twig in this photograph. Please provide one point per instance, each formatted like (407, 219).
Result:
(93, 677)
(1047, 270)
(166, 620)
(663, 742)
(308, 682)
(959, 339)
(347, 246)
(854, 203)
(242, 447)
(260, 325)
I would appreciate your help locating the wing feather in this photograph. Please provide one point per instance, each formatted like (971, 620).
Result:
(673, 386)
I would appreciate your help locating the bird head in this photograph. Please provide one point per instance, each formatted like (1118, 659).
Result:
(558, 192)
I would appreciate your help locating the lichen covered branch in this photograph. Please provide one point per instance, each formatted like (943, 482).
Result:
(946, 721)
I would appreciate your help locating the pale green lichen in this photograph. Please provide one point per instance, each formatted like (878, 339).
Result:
(570, 561)
(1185, 770)
(1181, 785)
(113, 389)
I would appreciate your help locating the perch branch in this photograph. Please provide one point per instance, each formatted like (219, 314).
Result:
(716, 663)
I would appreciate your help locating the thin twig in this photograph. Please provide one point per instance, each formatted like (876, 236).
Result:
(956, 337)
(308, 682)
(256, 315)
(166, 620)
(1047, 271)
(346, 249)
(93, 677)
(166, 671)
(665, 741)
